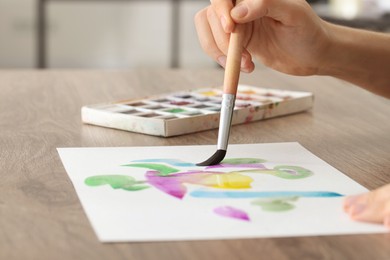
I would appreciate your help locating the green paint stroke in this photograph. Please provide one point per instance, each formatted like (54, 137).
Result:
(276, 204)
(284, 171)
(176, 110)
(163, 170)
(292, 172)
(243, 161)
(116, 182)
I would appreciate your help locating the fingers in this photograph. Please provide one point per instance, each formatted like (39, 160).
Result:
(222, 9)
(206, 37)
(371, 207)
(220, 37)
(215, 41)
(247, 64)
(285, 11)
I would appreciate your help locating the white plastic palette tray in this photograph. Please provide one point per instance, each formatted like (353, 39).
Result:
(196, 110)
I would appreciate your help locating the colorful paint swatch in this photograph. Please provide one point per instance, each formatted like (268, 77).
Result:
(192, 111)
(129, 112)
(180, 103)
(176, 110)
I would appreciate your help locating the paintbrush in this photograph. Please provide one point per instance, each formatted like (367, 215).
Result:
(232, 75)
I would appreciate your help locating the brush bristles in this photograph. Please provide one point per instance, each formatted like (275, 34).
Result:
(216, 158)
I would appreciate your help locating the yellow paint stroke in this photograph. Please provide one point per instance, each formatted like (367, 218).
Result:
(227, 181)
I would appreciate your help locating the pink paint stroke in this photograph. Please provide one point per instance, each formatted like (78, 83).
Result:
(230, 212)
(174, 184)
(170, 185)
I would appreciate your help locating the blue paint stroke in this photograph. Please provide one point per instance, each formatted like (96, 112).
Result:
(173, 162)
(262, 194)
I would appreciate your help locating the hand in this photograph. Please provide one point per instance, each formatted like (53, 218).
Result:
(285, 35)
(371, 207)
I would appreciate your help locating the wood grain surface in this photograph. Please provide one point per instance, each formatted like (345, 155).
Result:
(41, 216)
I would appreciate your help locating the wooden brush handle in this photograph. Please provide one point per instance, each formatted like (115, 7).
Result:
(233, 63)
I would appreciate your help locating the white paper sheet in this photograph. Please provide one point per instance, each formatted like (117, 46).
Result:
(290, 192)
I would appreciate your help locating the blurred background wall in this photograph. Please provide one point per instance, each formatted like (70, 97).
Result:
(131, 33)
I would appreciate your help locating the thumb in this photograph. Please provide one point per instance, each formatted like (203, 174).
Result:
(285, 11)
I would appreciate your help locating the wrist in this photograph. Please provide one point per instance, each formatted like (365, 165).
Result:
(359, 57)
(334, 57)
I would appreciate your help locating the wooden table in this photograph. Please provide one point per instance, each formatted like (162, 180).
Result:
(41, 216)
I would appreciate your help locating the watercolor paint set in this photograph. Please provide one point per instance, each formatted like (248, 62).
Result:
(194, 110)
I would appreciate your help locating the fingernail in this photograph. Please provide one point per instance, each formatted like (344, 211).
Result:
(243, 61)
(356, 209)
(243, 64)
(350, 200)
(239, 11)
(246, 70)
(223, 22)
(222, 61)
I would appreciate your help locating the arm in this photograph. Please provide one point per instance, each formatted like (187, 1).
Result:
(289, 37)
(360, 57)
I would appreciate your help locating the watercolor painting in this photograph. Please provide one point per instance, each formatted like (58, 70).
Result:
(162, 175)
(259, 190)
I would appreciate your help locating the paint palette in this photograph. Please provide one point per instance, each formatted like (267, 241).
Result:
(196, 110)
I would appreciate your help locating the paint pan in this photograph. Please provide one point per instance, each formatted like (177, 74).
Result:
(184, 96)
(149, 115)
(200, 106)
(180, 102)
(175, 110)
(154, 107)
(169, 117)
(201, 99)
(161, 100)
(192, 113)
(130, 112)
(136, 104)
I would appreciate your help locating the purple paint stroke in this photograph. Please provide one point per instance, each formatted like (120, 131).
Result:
(230, 212)
(167, 184)
(174, 184)
(226, 165)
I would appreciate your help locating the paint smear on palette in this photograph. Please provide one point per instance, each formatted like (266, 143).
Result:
(276, 204)
(209, 93)
(231, 212)
(247, 92)
(245, 98)
(176, 110)
(180, 103)
(262, 194)
(243, 105)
